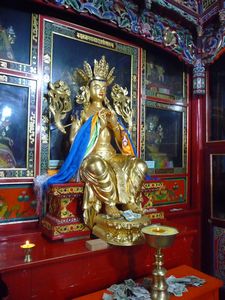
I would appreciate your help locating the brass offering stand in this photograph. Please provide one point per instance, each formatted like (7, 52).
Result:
(27, 250)
(159, 237)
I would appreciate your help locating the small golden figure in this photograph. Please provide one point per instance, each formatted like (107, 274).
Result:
(113, 180)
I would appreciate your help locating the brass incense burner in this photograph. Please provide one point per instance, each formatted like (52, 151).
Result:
(159, 237)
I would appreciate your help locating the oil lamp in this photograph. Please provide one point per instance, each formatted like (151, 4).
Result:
(27, 250)
(159, 237)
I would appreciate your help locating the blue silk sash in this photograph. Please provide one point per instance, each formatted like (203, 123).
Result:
(75, 157)
(86, 137)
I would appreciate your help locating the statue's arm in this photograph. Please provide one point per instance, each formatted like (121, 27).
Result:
(76, 123)
(116, 128)
(117, 133)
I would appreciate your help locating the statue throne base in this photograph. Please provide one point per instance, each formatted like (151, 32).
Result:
(119, 231)
(63, 219)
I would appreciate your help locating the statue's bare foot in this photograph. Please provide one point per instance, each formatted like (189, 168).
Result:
(134, 207)
(112, 211)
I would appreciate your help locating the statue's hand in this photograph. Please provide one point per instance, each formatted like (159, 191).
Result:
(113, 123)
(113, 120)
(104, 117)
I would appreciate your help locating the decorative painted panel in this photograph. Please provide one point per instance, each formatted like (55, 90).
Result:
(190, 4)
(17, 203)
(127, 16)
(17, 127)
(18, 28)
(167, 34)
(219, 253)
(80, 44)
(213, 42)
(161, 192)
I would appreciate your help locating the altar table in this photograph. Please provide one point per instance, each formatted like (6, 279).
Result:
(208, 291)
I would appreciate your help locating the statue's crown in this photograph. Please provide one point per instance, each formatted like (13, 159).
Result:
(100, 71)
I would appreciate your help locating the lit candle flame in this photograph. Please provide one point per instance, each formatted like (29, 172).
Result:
(27, 245)
(158, 230)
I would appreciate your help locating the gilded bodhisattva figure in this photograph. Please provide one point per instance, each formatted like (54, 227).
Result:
(113, 175)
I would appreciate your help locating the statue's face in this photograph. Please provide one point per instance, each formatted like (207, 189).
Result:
(98, 90)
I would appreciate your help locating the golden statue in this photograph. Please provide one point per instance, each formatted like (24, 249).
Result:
(113, 180)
